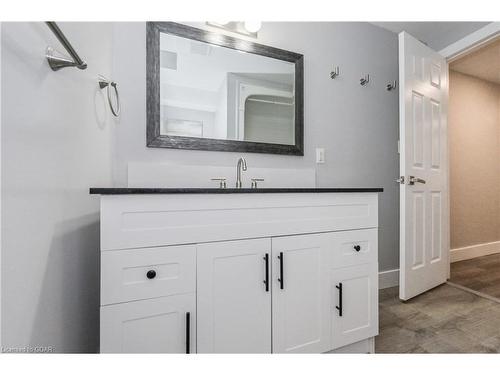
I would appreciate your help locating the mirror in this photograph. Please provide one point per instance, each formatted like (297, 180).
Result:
(209, 91)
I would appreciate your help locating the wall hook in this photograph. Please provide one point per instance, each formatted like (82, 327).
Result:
(335, 72)
(363, 81)
(391, 86)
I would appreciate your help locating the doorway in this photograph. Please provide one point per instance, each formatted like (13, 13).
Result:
(474, 159)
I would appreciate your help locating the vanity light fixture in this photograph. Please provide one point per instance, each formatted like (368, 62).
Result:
(247, 28)
(252, 26)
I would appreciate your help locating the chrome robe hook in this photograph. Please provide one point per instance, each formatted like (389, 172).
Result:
(106, 83)
(391, 86)
(363, 81)
(335, 72)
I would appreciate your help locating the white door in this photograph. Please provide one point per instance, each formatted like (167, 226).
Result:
(234, 297)
(301, 316)
(424, 220)
(355, 304)
(157, 325)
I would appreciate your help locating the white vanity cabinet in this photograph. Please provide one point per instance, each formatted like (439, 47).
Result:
(239, 273)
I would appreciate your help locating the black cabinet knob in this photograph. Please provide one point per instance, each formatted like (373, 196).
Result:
(151, 274)
(357, 247)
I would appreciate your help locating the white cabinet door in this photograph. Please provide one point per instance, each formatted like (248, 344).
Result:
(301, 299)
(233, 301)
(355, 304)
(158, 325)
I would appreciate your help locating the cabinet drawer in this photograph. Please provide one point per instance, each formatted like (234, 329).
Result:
(157, 325)
(129, 275)
(354, 247)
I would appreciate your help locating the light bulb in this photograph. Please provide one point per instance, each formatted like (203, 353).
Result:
(253, 26)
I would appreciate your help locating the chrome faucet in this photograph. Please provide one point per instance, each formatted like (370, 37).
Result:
(242, 165)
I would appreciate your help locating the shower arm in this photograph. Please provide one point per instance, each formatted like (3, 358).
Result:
(57, 62)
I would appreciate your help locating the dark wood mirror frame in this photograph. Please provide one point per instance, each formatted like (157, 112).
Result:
(153, 136)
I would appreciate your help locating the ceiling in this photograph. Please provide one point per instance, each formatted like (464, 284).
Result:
(436, 35)
(483, 63)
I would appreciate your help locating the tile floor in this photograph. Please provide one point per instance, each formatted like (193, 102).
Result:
(480, 274)
(443, 320)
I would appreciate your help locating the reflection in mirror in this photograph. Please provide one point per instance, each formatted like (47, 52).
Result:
(215, 92)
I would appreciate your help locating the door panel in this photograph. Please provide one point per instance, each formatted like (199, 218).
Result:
(158, 325)
(234, 308)
(424, 229)
(355, 304)
(418, 129)
(300, 296)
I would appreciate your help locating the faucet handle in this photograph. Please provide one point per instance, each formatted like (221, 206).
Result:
(222, 181)
(255, 181)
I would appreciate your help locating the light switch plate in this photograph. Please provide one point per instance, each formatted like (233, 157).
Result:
(320, 155)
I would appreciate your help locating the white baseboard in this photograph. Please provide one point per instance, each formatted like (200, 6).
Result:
(469, 252)
(388, 279)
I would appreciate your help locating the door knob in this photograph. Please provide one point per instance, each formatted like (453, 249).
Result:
(413, 179)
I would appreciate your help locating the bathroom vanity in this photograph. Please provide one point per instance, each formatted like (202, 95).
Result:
(262, 270)
(238, 270)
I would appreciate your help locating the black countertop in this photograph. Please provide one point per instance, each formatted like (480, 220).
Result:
(123, 191)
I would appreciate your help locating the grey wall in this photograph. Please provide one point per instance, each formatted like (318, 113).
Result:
(56, 142)
(358, 126)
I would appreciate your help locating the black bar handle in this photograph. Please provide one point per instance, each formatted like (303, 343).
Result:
(339, 307)
(280, 257)
(266, 281)
(188, 333)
